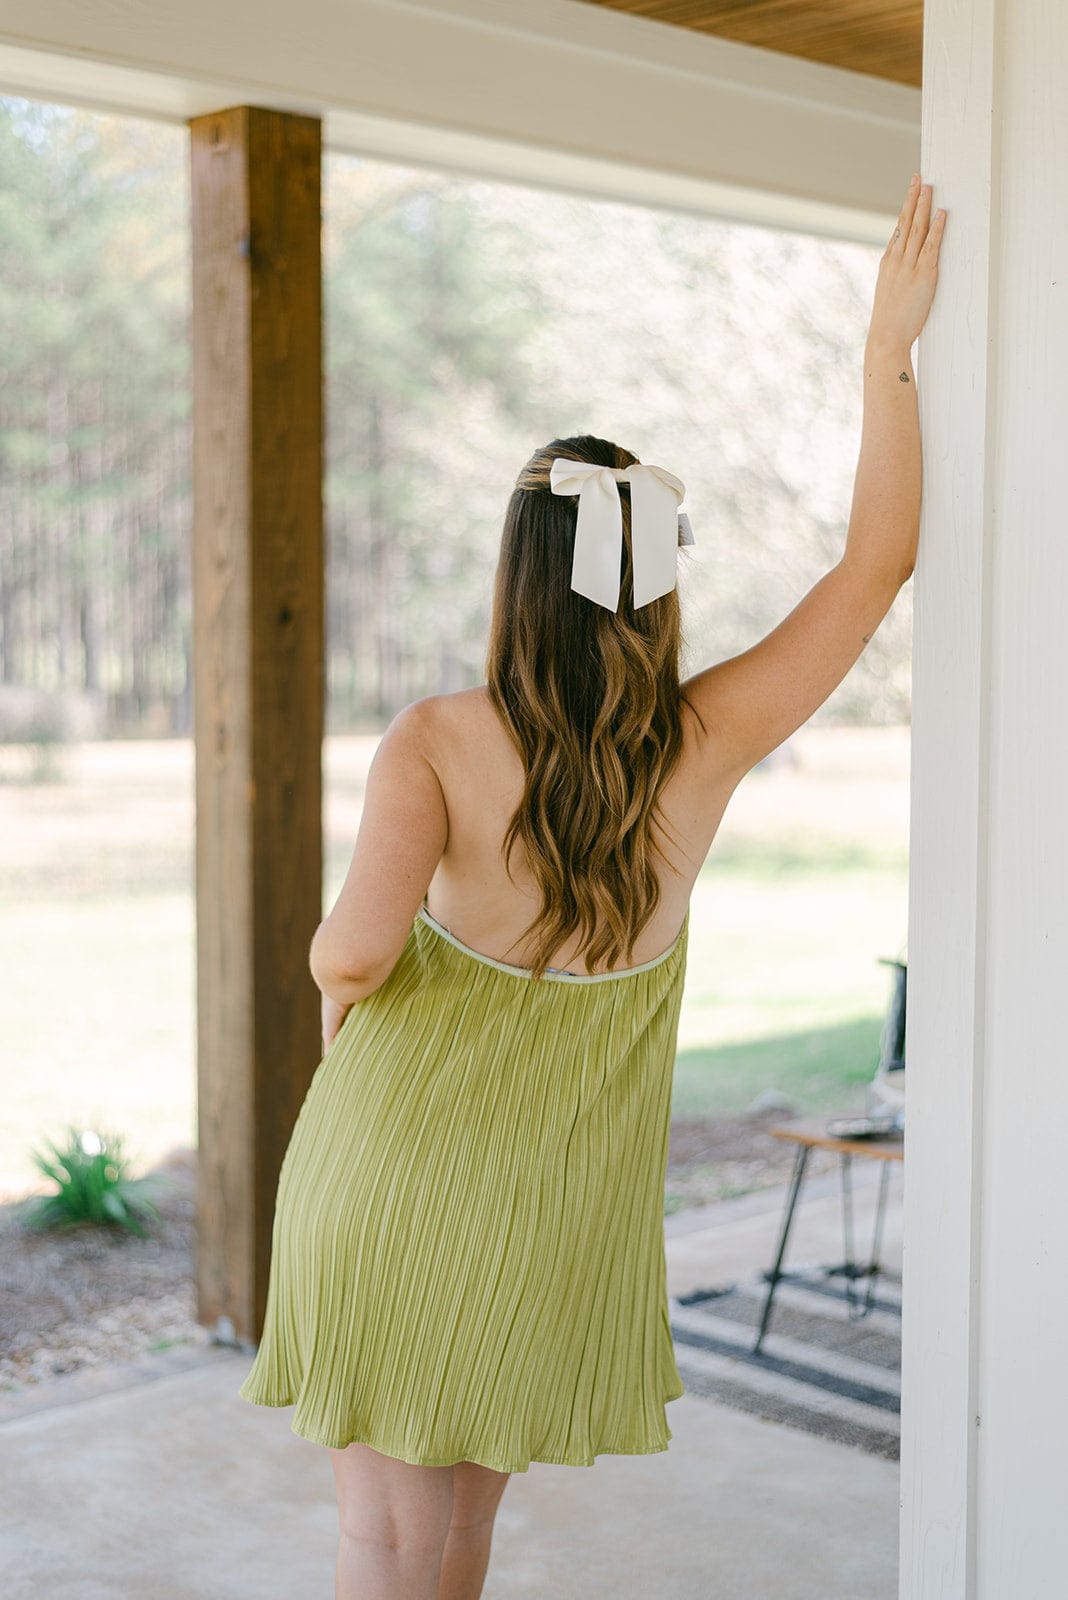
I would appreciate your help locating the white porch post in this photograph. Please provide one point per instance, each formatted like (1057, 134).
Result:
(985, 1409)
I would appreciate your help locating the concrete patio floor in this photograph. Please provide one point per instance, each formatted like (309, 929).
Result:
(170, 1487)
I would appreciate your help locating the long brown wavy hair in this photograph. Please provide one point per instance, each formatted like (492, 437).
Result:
(592, 702)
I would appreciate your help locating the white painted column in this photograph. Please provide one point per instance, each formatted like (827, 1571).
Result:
(984, 1468)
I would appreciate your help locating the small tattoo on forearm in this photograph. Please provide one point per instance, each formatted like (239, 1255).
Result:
(903, 377)
(867, 638)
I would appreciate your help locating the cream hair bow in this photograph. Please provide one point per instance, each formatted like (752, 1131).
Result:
(657, 528)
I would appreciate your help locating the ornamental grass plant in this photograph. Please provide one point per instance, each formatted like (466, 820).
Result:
(93, 1185)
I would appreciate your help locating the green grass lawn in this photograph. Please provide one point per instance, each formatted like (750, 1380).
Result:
(805, 887)
(784, 987)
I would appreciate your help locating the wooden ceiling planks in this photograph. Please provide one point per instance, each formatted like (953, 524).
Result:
(881, 37)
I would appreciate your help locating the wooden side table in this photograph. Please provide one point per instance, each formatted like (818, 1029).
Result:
(808, 1136)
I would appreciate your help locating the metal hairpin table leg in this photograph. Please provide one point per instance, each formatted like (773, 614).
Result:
(877, 1236)
(849, 1268)
(800, 1162)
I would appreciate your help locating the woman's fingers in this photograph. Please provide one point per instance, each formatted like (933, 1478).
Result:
(933, 240)
(915, 226)
(921, 221)
(904, 221)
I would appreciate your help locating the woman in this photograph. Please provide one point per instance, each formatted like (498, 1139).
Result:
(468, 1269)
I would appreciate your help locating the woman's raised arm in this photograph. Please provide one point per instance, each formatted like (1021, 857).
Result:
(753, 701)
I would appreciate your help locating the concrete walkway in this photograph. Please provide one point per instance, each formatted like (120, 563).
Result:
(173, 1488)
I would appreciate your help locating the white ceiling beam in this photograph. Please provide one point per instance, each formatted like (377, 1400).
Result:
(549, 92)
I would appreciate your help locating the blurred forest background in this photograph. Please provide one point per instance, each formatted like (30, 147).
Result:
(466, 323)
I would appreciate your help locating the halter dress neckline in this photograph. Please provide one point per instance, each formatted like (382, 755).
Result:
(553, 972)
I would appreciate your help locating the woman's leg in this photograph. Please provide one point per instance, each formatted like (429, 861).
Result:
(393, 1521)
(476, 1495)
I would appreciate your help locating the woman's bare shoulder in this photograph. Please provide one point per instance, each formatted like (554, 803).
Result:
(457, 708)
(464, 725)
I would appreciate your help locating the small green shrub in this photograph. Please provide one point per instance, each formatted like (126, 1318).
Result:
(91, 1173)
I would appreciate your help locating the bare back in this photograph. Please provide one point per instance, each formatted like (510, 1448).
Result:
(481, 777)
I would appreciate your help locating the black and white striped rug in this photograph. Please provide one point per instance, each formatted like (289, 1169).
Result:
(818, 1369)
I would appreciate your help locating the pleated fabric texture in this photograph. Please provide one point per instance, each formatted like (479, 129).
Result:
(468, 1249)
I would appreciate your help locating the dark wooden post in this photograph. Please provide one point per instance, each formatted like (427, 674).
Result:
(257, 674)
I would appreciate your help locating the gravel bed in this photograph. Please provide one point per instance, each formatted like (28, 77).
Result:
(92, 1296)
(719, 1158)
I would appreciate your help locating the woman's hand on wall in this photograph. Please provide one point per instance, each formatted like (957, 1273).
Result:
(908, 272)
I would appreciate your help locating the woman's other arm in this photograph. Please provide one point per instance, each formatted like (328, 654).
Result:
(401, 838)
(750, 703)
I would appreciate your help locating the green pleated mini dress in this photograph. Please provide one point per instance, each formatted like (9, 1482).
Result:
(468, 1248)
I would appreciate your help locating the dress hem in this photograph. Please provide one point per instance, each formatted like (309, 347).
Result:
(424, 1459)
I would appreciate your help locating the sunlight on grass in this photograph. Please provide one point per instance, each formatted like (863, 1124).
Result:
(98, 1023)
(820, 1069)
(776, 961)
